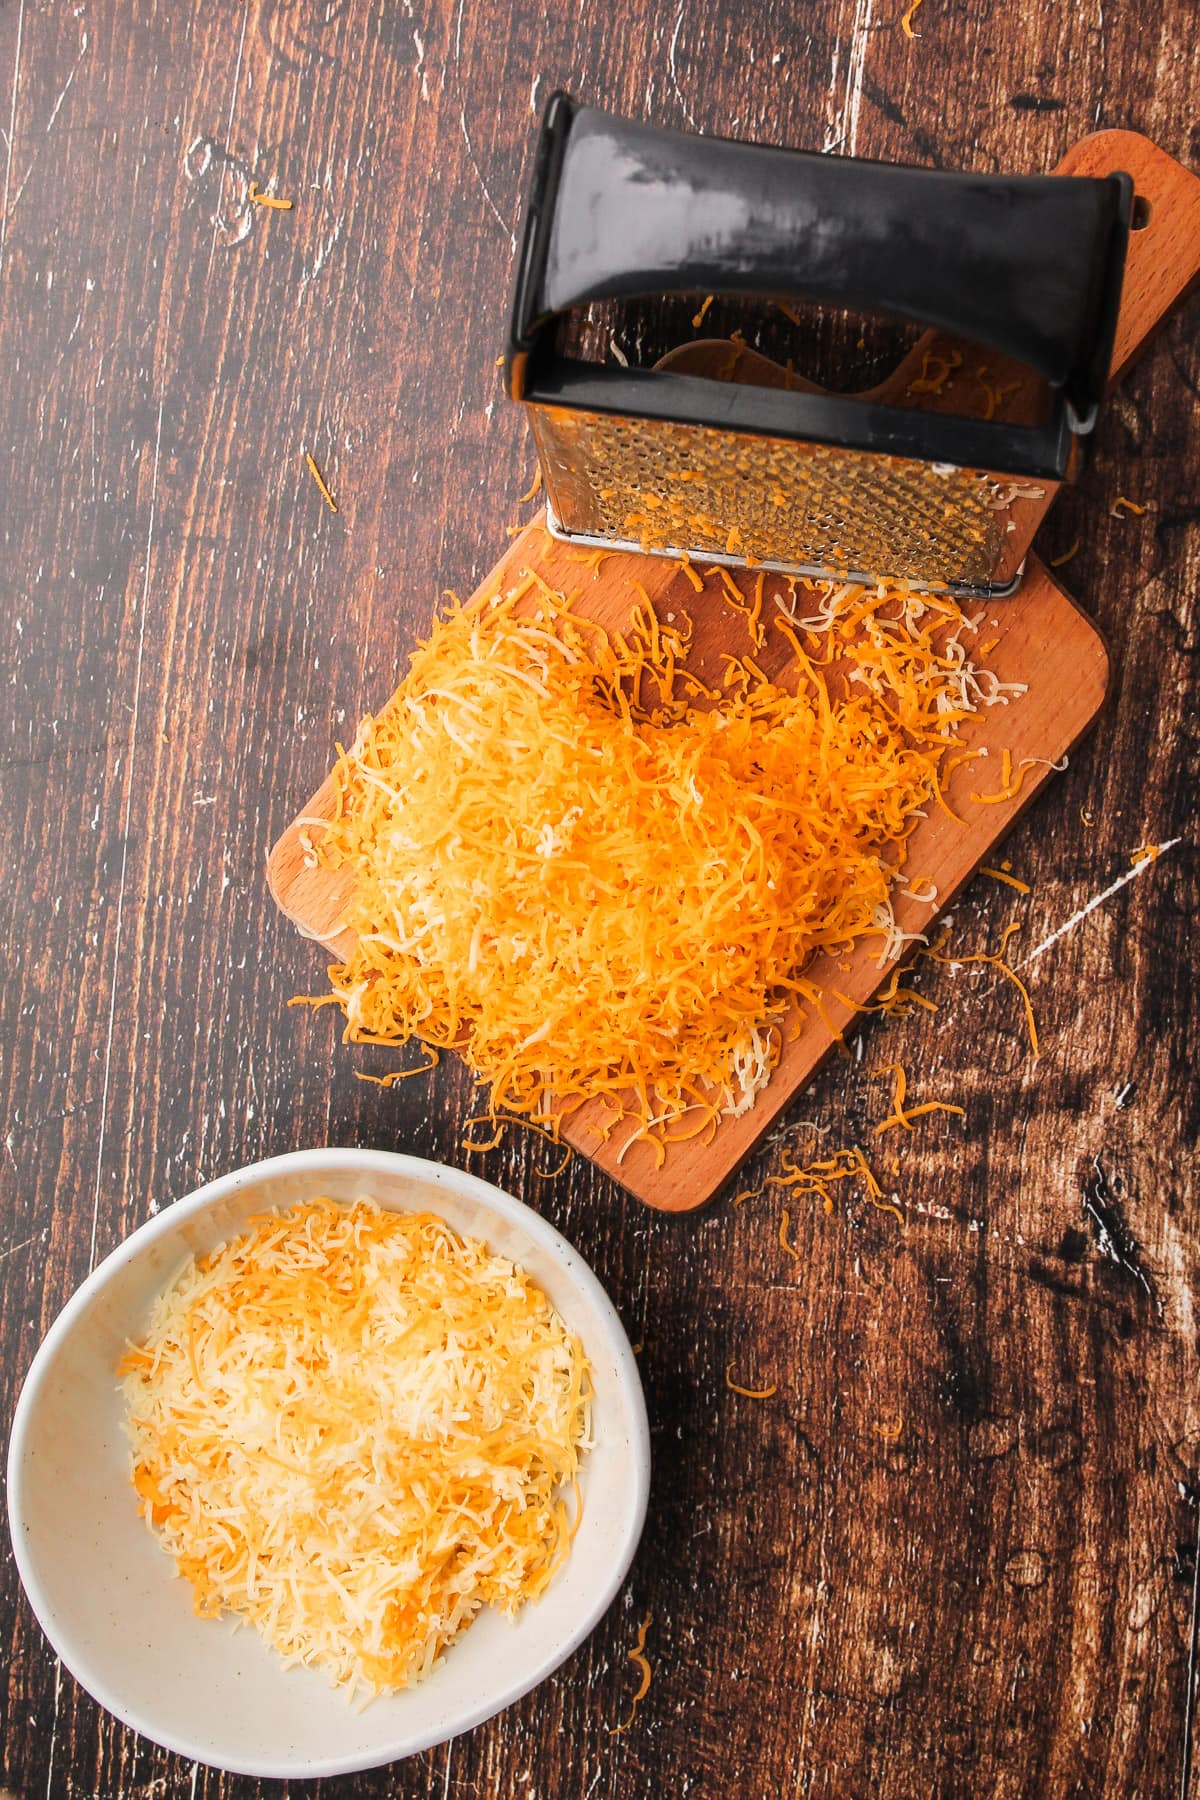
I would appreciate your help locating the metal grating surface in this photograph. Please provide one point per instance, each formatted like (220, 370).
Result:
(771, 499)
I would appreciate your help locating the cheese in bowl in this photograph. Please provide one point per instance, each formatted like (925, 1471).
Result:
(354, 1427)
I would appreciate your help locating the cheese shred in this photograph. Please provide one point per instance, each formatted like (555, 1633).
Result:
(600, 879)
(749, 1393)
(353, 1428)
(637, 1656)
(317, 476)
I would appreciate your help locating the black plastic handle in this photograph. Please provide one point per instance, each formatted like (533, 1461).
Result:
(1028, 265)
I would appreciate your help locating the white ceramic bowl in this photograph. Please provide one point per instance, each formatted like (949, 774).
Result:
(107, 1595)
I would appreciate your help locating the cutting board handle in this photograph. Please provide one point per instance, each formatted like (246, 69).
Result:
(1163, 260)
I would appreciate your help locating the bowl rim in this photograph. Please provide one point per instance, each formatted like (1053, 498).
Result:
(162, 1224)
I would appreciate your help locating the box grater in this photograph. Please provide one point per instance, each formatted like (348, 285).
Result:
(728, 457)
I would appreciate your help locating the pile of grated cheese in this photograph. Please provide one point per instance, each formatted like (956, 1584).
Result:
(351, 1428)
(597, 878)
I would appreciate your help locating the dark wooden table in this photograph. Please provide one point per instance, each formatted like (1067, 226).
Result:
(955, 1555)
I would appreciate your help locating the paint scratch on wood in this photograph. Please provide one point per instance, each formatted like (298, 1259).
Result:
(505, 227)
(237, 76)
(1114, 887)
(673, 69)
(12, 131)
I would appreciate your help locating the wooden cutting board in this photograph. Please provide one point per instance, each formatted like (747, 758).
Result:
(1042, 640)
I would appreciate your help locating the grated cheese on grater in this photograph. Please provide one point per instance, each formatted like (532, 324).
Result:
(352, 1428)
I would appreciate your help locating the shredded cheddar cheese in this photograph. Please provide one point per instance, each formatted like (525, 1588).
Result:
(599, 878)
(902, 1115)
(317, 476)
(1056, 562)
(637, 1656)
(927, 383)
(1004, 875)
(1121, 504)
(749, 1393)
(257, 198)
(994, 960)
(353, 1428)
(906, 20)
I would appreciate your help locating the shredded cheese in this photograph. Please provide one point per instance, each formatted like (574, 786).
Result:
(994, 960)
(637, 1656)
(317, 476)
(750, 1393)
(902, 1115)
(906, 20)
(1056, 562)
(257, 198)
(353, 1428)
(1009, 880)
(698, 318)
(573, 867)
(1122, 504)
(927, 383)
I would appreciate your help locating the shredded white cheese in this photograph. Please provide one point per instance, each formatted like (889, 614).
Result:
(352, 1428)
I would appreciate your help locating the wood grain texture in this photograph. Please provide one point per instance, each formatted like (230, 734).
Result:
(1042, 643)
(955, 1555)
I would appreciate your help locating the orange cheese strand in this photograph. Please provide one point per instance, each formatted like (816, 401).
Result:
(749, 1393)
(567, 865)
(906, 20)
(784, 1222)
(819, 1176)
(1011, 881)
(352, 1428)
(637, 1656)
(994, 960)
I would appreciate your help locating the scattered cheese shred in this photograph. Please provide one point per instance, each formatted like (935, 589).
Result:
(750, 1393)
(352, 1427)
(1011, 881)
(637, 1656)
(390, 1080)
(572, 867)
(905, 1116)
(819, 1176)
(1114, 511)
(320, 481)
(257, 198)
(698, 318)
(945, 366)
(684, 565)
(784, 1222)
(1056, 562)
(534, 488)
(994, 960)
(1146, 853)
(906, 20)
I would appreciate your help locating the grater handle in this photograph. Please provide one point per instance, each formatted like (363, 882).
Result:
(1028, 265)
